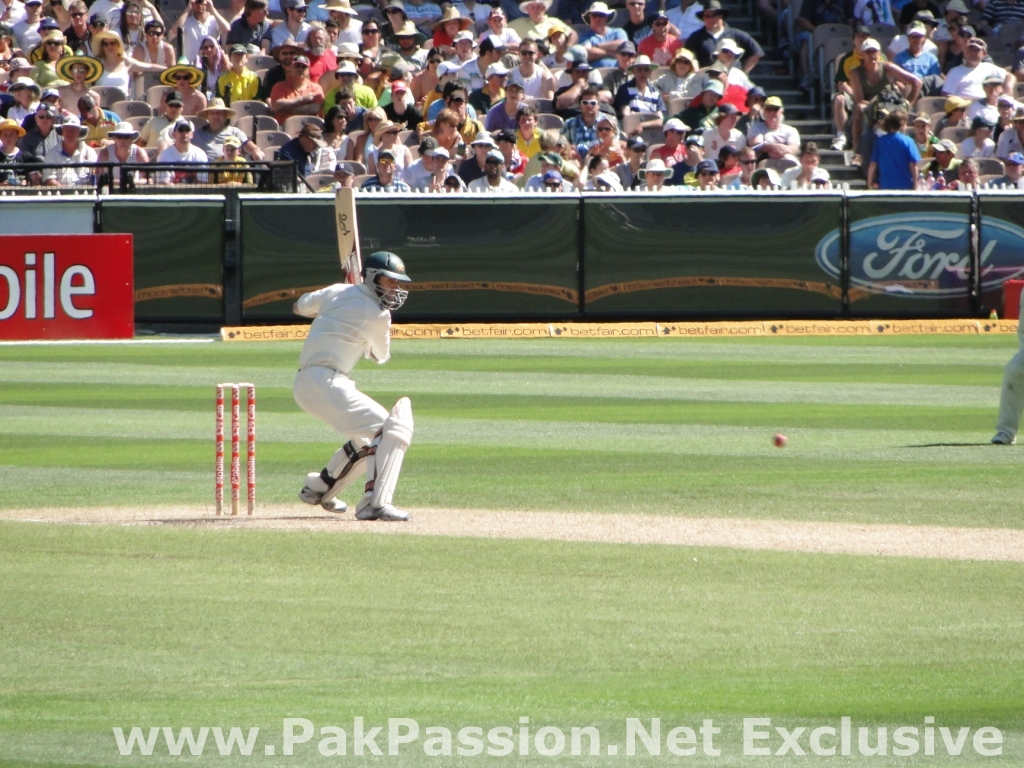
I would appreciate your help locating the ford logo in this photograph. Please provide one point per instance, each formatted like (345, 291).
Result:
(923, 255)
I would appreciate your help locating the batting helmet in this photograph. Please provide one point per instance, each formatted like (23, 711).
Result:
(387, 264)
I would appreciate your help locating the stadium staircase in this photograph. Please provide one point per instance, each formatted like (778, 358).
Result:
(803, 110)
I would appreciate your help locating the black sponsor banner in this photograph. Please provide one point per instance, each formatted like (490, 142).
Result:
(908, 258)
(179, 256)
(713, 256)
(470, 258)
(1001, 245)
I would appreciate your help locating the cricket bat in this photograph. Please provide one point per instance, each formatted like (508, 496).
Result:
(348, 234)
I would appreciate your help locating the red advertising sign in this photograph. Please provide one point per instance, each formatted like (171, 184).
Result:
(66, 287)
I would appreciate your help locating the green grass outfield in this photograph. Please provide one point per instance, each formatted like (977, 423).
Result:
(104, 627)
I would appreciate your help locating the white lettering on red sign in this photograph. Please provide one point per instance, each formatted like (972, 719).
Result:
(76, 280)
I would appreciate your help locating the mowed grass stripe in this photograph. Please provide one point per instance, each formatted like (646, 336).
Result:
(765, 487)
(453, 382)
(224, 624)
(144, 427)
(525, 406)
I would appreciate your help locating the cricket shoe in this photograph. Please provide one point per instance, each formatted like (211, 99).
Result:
(313, 498)
(312, 493)
(383, 512)
(1002, 438)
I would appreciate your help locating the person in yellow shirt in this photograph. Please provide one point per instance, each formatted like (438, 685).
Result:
(527, 135)
(239, 83)
(232, 157)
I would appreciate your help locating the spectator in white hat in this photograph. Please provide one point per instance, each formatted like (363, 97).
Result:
(493, 90)
(180, 152)
(474, 167)
(653, 176)
(638, 95)
(493, 181)
(71, 151)
(123, 151)
(475, 70)
(537, 25)
(672, 150)
(497, 25)
(601, 40)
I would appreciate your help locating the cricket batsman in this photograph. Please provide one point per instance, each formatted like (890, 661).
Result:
(353, 321)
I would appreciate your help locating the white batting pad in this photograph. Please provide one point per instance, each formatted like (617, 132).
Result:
(386, 461)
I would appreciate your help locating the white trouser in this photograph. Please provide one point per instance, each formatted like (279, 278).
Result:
(1011, 399)
(333, 398)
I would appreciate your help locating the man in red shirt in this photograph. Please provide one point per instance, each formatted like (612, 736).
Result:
(660, 45)
(672, 151)
(297, 95)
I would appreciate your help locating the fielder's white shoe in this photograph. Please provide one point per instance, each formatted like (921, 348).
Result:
(1002, 438)
(383, 512)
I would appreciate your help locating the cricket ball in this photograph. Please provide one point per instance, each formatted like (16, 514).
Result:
(779, 441)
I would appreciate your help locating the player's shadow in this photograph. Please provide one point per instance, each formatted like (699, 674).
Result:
(949, 445)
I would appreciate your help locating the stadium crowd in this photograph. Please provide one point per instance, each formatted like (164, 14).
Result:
(409, 95)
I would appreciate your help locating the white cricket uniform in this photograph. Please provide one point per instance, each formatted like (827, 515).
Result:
(1011, 398)
(349, 324)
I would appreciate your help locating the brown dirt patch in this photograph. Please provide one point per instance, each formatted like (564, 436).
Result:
(789, 536)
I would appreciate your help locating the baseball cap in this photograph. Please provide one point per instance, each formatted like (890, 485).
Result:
(992, 79)
(1014, 158)
(50, 93)
(447, 68)
(627, 47)
(237, 48)
(674, 124)
(707, 165)
(862, 29)
(870, 45)
(921, 117)
(551, 158)
(728, 109)
(399, 85)
(946, 145)
(483, 139)
(232, 141)
(440, 152)
(956, 102)
(926, 17)
(303, 60)
(715, 86)
(977, 42)
(981, 122)
(345, 68)
(695, 139)
(183, 125)
(382, 152)
(495, 155)
(552, 177)
(498, 69)
(463, 35)
(916, 28)
(174, 97)
(773, 101)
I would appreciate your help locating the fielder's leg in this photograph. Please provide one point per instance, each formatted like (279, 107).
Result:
(345, 466)
(385, 463)
(1011, 398)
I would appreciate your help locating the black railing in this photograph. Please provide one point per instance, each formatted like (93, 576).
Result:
(147, 178)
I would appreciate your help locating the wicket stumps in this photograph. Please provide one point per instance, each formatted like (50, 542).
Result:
(236, 454)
